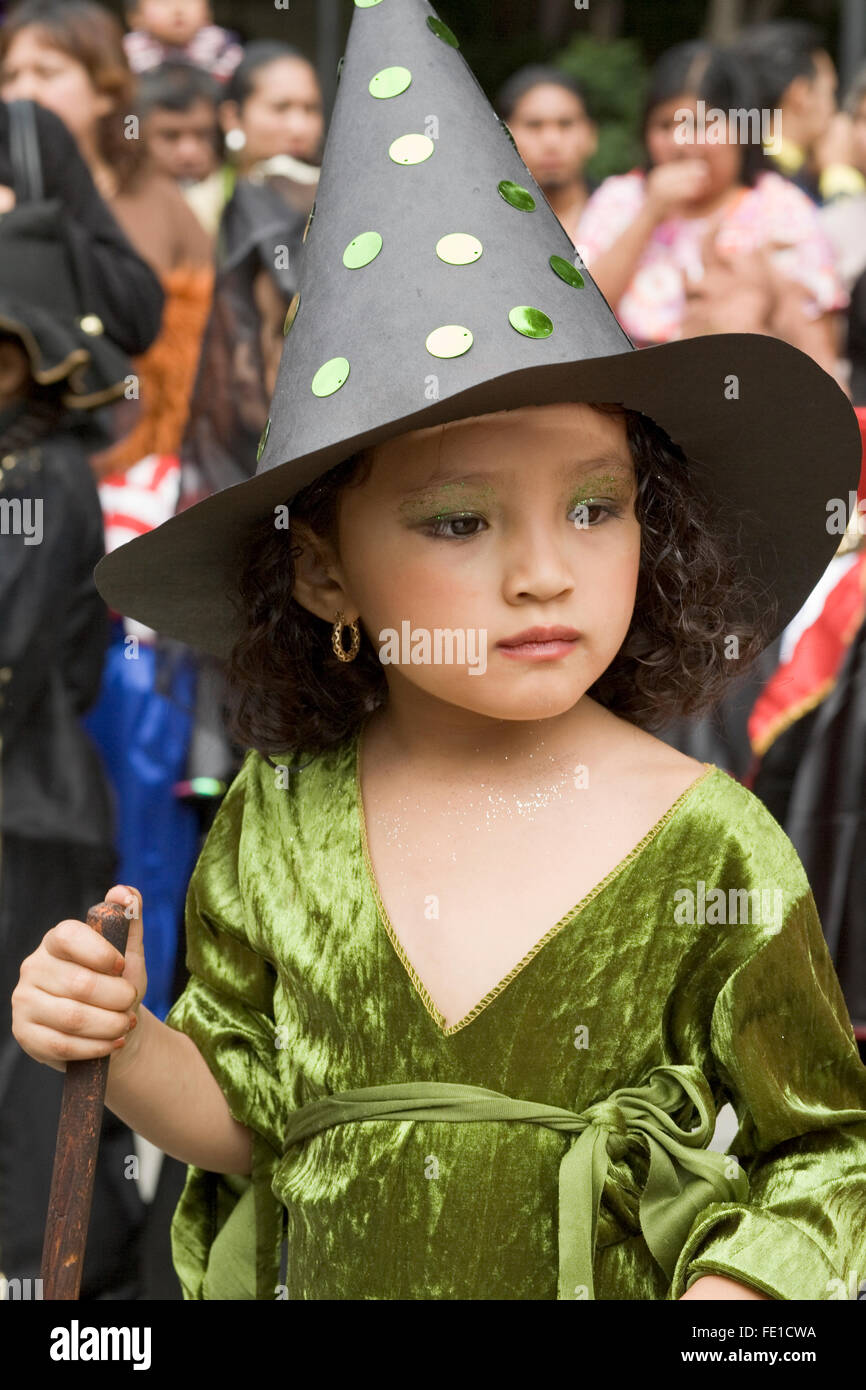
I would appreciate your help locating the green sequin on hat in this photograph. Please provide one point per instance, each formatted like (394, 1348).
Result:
(442, 31)
(517, 196)
(330, 376)
(264, 439)
(532, 323)
(390, 82)
(451, 340)
(567, 272)
(411, 149)
(458, 248)
(362, 250)
(291, 313)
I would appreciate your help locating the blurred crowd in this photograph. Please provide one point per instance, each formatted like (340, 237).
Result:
(175, 169)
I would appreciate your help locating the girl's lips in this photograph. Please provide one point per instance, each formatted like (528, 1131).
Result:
(538, 651)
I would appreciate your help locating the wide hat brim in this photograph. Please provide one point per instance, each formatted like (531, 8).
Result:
(779, 458)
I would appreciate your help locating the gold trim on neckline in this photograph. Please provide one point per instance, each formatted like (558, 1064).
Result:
(448, 1030)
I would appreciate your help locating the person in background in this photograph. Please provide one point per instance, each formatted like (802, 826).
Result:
(797, 77)
(273, 120)
(177, 106)
(844, 222)
(56, 816)
(646, 235)
(546, 112)
(274, 124)
(179, 31)
(68, 55)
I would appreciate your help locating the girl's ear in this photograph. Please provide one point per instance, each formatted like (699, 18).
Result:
(319, 585)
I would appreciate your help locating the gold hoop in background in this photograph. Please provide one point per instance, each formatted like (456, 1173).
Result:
(337, 639)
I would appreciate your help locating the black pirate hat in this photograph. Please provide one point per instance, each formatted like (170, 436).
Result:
(41, 305)
(437, 283)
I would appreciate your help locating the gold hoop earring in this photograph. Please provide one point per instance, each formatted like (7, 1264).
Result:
(337, 639)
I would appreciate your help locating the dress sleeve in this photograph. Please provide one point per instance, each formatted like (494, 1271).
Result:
(227, 1009)
(787, 1059)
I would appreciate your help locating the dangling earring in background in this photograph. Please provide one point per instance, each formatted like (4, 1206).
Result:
(235, 140)
(337, 639)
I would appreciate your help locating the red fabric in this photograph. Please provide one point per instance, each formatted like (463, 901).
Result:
(801, 683)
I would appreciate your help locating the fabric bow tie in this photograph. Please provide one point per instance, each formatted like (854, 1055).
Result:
(683, 1175)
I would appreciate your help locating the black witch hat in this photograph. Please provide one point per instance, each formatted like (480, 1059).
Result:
(41, 305)
(437, 283)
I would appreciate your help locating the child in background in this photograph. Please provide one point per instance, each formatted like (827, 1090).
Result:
(376, 988)
(179, 31)
(177, 107)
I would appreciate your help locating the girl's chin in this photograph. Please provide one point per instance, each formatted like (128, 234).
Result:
(496, 702)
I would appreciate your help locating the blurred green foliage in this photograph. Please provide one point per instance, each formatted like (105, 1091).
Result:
(613, 74)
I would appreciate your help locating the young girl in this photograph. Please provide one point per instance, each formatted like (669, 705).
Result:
(475, 959)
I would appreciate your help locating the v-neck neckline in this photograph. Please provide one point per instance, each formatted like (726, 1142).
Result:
(447, 1030)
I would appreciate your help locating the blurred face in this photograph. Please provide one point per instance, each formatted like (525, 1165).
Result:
(537, 565)
(723, 159)
(35, 71)
(282, 115)
(858, 128)
(814, 101)
(14, 371)
(171, 21)
(554, 135)
(182, 144)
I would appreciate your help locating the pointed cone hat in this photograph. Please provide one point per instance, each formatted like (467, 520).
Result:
(437, 283)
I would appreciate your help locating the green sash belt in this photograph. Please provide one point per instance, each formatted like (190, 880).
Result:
(683, 1175)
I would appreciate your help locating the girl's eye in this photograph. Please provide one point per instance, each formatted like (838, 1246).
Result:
(589, 513)
(438, 525)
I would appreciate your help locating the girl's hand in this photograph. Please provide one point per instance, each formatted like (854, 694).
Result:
(717, 1286)
(670, 187)
(76, 996)
(7, 198)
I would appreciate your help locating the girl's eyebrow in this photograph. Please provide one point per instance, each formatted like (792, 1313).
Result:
(613, 461)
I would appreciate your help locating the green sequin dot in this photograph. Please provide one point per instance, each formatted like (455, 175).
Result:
(362, 250)
(366, 4)
(291, 313)
(264, 439)
(508, 133)
(390, 82)
(411, 149)
(518, 197)
(330, 376)
(567, 272)
(442, 31)
(532, 323)
(458, 248)
(451, 340)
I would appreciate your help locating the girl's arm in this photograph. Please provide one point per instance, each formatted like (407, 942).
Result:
(160, 1085)
(718, 1288)
(668, 187)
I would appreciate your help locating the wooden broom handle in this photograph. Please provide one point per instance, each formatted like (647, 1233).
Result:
(77, 1146)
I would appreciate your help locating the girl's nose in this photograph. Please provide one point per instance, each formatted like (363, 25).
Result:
(536, 566)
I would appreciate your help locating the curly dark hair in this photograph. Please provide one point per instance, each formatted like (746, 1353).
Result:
(287, 691)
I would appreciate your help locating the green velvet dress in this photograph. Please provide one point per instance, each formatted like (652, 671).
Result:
(552, 1143)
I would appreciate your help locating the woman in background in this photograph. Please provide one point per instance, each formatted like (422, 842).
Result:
(646, 235)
